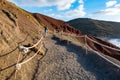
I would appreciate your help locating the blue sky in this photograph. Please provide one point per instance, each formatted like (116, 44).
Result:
(66, 10)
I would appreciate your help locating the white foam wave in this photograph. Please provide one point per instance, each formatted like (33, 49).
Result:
(115, 42)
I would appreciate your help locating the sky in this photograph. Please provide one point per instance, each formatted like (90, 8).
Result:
(108, 10)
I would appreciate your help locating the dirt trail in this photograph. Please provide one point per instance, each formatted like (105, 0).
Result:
(69, 62)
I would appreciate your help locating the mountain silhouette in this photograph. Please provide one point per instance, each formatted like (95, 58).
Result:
(96, 28)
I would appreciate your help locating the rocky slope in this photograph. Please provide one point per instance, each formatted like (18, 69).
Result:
(61, 61)
(19, 27)
(56, 24)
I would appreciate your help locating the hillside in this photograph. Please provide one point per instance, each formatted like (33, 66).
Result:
(65, 57)
(96, 27)
(54, 24)
(19, 27)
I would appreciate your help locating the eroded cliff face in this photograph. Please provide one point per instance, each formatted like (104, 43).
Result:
(54, 24)
(17, 27)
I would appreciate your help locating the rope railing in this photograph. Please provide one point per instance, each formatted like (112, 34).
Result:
(18, 65)
(102, 44)
(89, 48)
(30, 57)
(73, 35)
(18, 62)
(103, 57)
(93, 41)
(27, 49)
(35, 44)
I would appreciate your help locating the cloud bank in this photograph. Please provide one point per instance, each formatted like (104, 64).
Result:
(74, 13)
(111, 3)
(63, 7)
(78, 12)
(60, 4)
(112, 8)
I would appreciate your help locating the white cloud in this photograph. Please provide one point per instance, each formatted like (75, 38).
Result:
(111, 3)
(71, 14)
(110, 11)
(60, 4)
(79, 12)
(112, 8)
(115, 18)
(117, 6)
(64, 5)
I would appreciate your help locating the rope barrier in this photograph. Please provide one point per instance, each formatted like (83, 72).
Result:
(73, 35)
(27, 49)
(104, 57)
(85, 43)
(14, 48)
(35, 44)
(103, 44)
(87, 46)
(19, 64)
(16, 66)
(96, 42)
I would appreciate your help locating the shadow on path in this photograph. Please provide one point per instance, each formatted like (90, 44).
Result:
(102, 69)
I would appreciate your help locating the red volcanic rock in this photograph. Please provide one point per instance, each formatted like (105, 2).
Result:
(103, 47)
(55, 24)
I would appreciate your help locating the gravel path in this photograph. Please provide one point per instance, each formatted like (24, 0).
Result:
(69, 62)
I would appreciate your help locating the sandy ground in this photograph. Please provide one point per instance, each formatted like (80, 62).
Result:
(69, 62)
